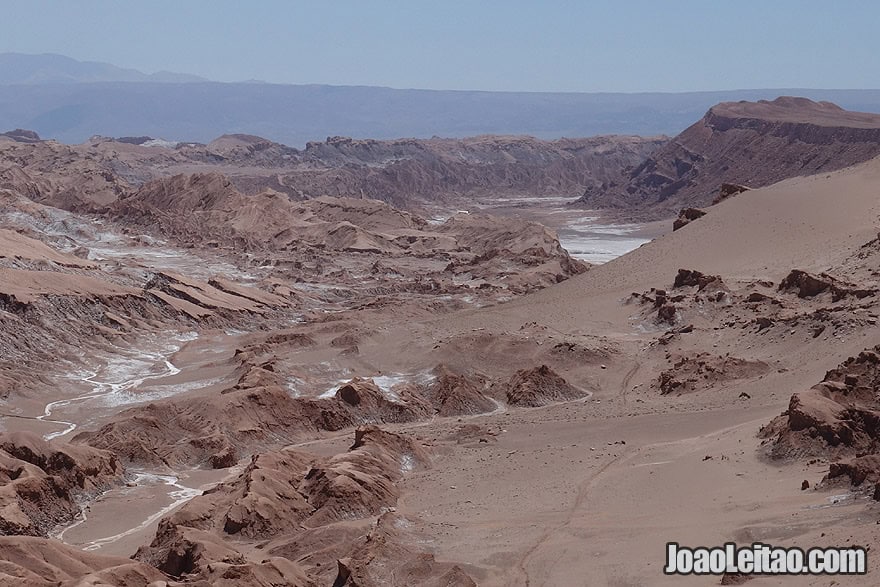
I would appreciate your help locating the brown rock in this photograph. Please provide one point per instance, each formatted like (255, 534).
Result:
(808, 285)
(695, 372)
(667, 313)
(40, 483)
(763, 322)
(539, 386)
(839, 418)
(685, 216)
(691, 277)
(453, 394)
(727, 190)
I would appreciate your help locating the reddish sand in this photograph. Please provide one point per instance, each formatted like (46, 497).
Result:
(248, 390)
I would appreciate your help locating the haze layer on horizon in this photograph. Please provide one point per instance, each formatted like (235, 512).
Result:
(515, 45)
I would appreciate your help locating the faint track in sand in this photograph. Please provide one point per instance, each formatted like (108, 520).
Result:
(585, 487)
(580, 497)
(624, 385)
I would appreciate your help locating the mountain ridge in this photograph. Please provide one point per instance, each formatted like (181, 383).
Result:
(754, 144)
(191, 108)
(47, 68)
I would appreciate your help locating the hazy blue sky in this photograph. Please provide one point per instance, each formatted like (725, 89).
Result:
(448, 44)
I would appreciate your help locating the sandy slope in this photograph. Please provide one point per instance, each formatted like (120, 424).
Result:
(555, 502)
(812, 223)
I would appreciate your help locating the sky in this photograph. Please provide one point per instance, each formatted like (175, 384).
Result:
(514, 45)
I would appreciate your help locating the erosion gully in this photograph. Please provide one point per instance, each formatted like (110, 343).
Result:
(100, 384)
(119, 520)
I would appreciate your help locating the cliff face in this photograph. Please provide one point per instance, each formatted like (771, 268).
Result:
(405, 172)
(750, 143)
(413, 171)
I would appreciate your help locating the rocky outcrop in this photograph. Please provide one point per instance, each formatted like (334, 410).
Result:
(807, 285)
(205, 209)
(454, 394)
(361, 482)
(76, 300)
(699, 371)
(20, 135)
(729, 190)
(362, 401)
(839, 417)
(858, 470)
(285, 493)
(213, 433)
(741, 143)
(382, 548)
(539, 386)
(686, 216)
(42, 562)
(201, 558)
(58, 175)
(694, 278)
(40, 483)
(253, 415)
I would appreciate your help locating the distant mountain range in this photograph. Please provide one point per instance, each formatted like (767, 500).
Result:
(48, 68)
(71, 100)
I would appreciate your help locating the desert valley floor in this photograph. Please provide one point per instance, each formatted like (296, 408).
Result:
(207, 380)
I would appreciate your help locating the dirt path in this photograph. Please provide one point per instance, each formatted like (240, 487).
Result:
(571, 503)
(582, 494)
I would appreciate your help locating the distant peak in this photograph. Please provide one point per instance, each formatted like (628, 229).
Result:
(22, 136)
(50, 68)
